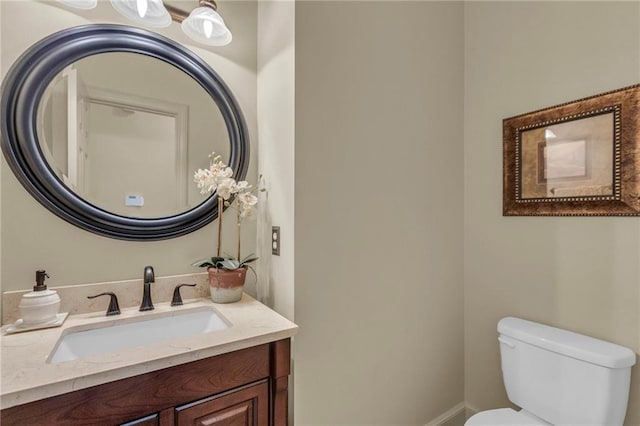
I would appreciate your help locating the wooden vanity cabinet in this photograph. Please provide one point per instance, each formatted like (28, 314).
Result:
(246, 406)
(245, 387)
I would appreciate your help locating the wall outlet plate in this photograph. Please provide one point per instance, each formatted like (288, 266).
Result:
(275, 240)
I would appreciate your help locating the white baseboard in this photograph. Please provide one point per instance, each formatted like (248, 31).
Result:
(471, 410)
(447, 415)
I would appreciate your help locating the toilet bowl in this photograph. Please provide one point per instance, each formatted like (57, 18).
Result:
(505, 417)
(559, 378)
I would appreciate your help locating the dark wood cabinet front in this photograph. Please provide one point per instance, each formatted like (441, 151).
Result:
(151, 420)
(245, 387)
(248, 406)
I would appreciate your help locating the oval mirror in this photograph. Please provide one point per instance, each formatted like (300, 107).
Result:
(105, 124)
(117, 135)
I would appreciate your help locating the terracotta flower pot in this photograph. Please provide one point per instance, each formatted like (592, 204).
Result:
(226, 286)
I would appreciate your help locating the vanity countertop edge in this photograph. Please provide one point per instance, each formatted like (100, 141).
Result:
(26, 375)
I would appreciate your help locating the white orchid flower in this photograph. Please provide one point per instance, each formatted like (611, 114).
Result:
(226, 187)
(218, 178)
(205, 181)
(248, 213)
(247, 200)
(217, 168)
(222, 174)
(214, 158)
(243, 186)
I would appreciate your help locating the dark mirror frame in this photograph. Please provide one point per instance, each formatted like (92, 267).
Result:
(23, 89)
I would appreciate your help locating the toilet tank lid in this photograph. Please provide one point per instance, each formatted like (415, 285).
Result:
(567, 343)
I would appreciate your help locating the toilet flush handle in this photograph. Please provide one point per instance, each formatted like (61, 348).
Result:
(506, 342)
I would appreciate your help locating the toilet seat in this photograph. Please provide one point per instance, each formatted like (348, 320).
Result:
(505, 417)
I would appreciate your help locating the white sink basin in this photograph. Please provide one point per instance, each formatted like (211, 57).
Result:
(130, 334)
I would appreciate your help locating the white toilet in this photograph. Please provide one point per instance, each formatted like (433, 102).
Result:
(559, 378)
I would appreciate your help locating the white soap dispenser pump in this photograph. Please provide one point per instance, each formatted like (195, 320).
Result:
(41, 305)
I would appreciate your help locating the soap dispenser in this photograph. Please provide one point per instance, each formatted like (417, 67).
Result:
(40, 305)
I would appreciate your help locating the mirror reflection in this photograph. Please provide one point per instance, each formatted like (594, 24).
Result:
(125, 131)
(569, 159)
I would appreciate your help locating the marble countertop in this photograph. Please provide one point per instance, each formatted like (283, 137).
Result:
(27, 376)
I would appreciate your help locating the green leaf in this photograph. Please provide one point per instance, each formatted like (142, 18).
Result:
(208, 263)
(202, 263)
(216, 259)
(230, 264)
(250, 258)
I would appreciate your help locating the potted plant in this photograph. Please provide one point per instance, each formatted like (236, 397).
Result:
(227, 273)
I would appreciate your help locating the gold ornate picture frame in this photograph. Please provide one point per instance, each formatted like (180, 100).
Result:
(581, 158)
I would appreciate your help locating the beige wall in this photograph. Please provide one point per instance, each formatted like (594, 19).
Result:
(38, 239)
(582, 274)
(276, 161)
(378, 199)
(276, 90)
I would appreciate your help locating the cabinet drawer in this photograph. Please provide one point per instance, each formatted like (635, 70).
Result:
(151, 420)
(246, 406)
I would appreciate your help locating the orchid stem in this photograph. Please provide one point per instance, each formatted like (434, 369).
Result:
(220, 208)
(238, 224)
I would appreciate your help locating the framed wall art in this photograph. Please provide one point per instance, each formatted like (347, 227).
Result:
(581, 158)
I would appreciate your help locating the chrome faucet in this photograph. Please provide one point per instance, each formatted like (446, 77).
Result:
(149, 277)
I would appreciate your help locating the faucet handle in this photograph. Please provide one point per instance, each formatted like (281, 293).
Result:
(114, 308)
(149, 275)
(177, 299)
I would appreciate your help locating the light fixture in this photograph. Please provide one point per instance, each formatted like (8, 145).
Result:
(203, 24)
(146, 12)
(80, 4)
(206, 26)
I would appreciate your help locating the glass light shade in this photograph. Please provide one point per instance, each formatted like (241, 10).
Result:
(145, 12)
(80, 4)
(206, 26)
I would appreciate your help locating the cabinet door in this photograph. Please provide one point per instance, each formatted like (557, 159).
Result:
(247, 406)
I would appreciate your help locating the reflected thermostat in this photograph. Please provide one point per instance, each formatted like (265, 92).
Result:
(134, 200)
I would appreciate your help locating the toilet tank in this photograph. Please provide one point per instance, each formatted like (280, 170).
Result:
(563, 377)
